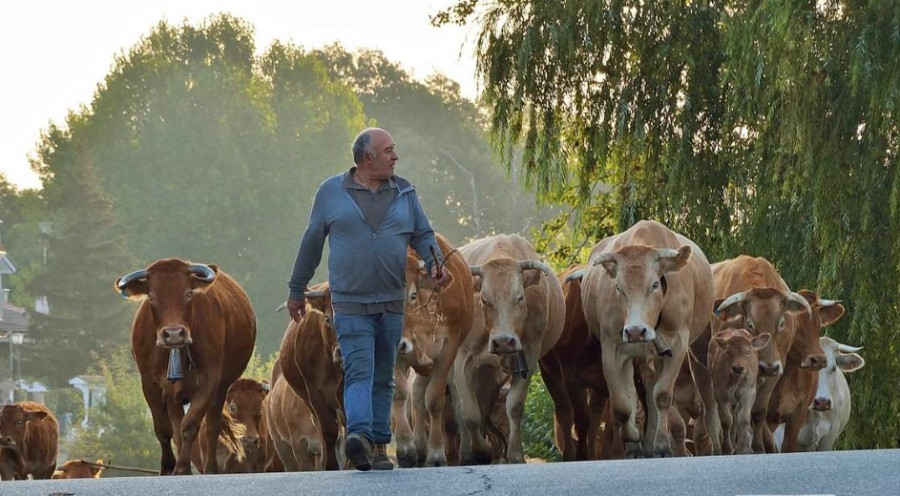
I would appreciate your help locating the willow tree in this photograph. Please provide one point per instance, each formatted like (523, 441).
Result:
(752, 127)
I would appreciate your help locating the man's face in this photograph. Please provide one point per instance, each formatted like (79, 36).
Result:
(381, 166)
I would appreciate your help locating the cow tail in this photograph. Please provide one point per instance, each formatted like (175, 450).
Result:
(230, 437)
(495, 438)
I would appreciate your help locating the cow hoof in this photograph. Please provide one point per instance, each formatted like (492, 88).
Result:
(436, 461)
(633, 450)
(407, 460)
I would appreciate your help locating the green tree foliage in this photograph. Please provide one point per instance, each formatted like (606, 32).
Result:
(766, 128)
(85, 254)
(120, 430)
(537, 423)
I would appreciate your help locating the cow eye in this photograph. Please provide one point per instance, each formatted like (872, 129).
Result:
(655, 285)
(781, 324)
(618, 289)
(232, 408)
(413, 296)
(189, 294)
(520, 299)
(834, 368)
(20, 422)
(485, 303)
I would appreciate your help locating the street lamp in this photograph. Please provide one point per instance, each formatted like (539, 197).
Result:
(14, 338)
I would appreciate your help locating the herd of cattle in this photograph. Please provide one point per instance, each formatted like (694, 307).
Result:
(647, 350)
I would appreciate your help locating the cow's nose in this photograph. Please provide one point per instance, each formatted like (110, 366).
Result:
(769, 369)
(737, 370)
(822, 404)
(251, 442)
(813, 362)
(504, 343)
(405, 347)
(636, 333)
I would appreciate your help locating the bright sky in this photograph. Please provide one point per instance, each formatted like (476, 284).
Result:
(56, 52)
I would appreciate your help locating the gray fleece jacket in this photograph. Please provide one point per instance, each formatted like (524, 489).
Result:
(364, 266)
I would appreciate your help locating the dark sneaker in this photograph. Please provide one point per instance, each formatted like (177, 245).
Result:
(381, 460)
(359, 451)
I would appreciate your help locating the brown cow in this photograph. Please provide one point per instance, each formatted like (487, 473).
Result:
(793, 393)
(29, 441)
(519, 316)
(244, 405)
(756, 298)
(292, 430)
(734, 364)
(202, 312)
(646, 294)
(434, 325)
(79, 469)
(310, 362)
(569, 371)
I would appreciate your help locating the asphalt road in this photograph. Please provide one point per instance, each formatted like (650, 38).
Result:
(875, 472)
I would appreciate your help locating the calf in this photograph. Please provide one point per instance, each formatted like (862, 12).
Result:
(830, 409)
(29, 441)
(734, 364)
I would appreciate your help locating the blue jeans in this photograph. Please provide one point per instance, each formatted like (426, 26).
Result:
(369, 348)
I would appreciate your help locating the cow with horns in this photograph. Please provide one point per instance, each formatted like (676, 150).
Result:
(191, 338)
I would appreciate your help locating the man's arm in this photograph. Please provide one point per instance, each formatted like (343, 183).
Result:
(424, 242)
(309, 255)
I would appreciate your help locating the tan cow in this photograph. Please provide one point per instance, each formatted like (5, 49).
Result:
(310, 363)
(292, 430)
(570, 370)
(519, 316)
(734, 364)
(756, 298)
(793, 393)
(79, 469)
(434, 325)
(29, 441)
(647, 293)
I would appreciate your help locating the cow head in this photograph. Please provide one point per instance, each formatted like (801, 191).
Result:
(762, 310)
(739, 349)
(806, 347)
(840, 358)
(421, 315)
(169, 286)
(502, 283)
(244, 401)
(14, 419)
(79, 469)
(639, 274)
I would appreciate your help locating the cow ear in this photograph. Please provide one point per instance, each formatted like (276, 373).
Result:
(721, 339)
(850, 362)
(831, 313)
(672, 260)
(33, 415)
(761, 341)
(136, 290)
(530, 277)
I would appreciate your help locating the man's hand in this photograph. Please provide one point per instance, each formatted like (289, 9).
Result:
(297, 308)
(439, 280)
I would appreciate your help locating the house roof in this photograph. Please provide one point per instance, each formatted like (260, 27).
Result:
(6, 265)
(13, 319)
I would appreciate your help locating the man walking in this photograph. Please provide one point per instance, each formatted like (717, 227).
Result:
(369, 216)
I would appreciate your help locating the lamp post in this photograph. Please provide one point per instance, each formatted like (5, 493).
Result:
(16, 338)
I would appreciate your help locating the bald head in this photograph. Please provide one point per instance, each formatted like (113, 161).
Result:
(364, 143)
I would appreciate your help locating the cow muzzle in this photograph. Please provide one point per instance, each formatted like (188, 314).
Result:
(638, 333)
(250, 443)
(813, 362)
(7, 442)
(821, 404)
(770, 369)
(504, 343)
(176, 336)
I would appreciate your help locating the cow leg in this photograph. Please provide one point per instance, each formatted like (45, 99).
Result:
(619, 372)
(162, 426)
(190, 427)
(677, 432)
(765, 387)
(563, 411)
(743, 431)
(213, 418)
(473, 448)
(400, 415)
(711, 424)
(656, 439)
(515, 408)
(727, 420)
(435, 398)
(792, 426)
(421, 420)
